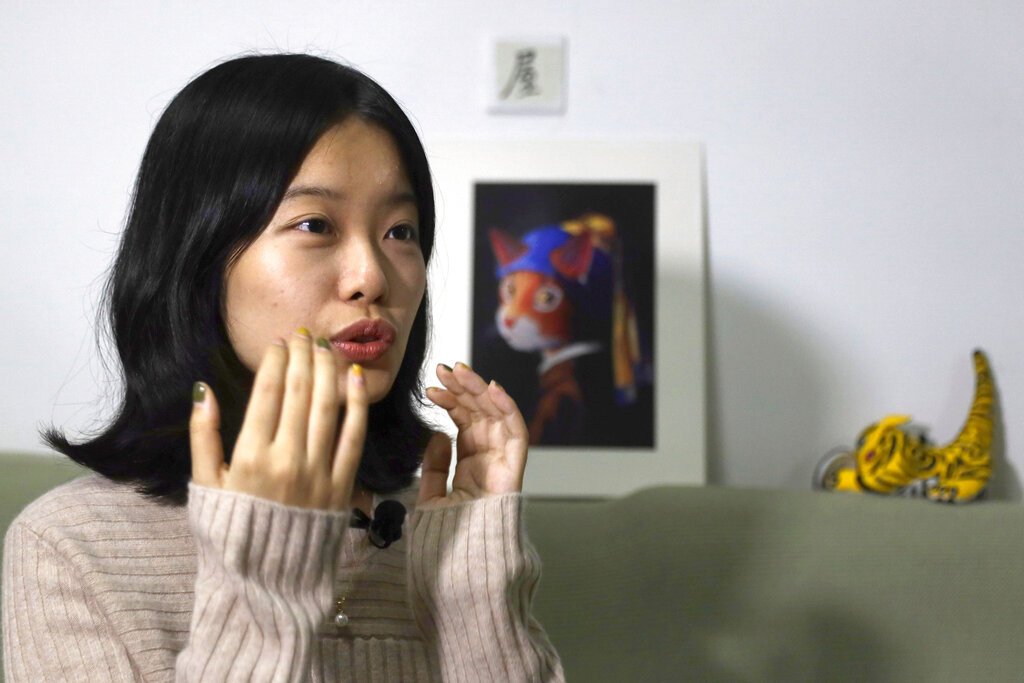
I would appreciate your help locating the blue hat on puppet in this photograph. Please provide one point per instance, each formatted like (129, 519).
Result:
(590, 292)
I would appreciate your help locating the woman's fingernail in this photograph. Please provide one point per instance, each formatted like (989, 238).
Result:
(460, 363)
(323, 343)
(445, 367)
(302, 331)
(357, 372)
(495, 383)
(198, 392)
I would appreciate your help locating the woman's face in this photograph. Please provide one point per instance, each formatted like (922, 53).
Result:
(341, 257)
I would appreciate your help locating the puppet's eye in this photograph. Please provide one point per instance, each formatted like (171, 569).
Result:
(547, 298)
(507, 289)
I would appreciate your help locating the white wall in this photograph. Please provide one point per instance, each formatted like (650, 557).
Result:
(865, 174)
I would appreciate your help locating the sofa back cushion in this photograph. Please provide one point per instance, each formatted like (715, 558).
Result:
(716, 584)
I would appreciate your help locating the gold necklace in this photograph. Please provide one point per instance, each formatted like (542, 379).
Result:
(341, 617)
(380, 534)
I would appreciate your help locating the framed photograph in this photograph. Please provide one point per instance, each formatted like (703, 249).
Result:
(573, 273)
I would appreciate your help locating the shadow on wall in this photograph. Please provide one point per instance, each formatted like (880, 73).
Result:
(767, 400)
(1005, 482)
(765, 397)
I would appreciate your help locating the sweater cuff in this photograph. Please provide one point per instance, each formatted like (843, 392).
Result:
(473, 573)
(287, 550)
(455, 543)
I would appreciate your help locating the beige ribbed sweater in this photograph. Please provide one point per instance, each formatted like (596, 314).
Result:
(102, 584)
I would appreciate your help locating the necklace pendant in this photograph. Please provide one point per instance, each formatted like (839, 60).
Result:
(340, 618)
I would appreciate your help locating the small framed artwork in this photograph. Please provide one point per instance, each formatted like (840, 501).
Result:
(573, 274)
(527, 75)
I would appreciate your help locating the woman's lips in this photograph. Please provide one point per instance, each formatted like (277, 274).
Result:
(364, 341)
(362, 352)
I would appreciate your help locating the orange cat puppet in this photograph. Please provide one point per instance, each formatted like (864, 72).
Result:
(561, 295)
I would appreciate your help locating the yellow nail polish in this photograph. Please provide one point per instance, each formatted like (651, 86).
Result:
(302, 331)
(462, 364)
(357, 369)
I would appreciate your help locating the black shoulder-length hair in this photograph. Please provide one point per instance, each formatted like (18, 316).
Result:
(215, 168)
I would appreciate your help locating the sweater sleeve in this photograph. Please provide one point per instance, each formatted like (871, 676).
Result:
(52, 628)
(472, 576)
(264, 584)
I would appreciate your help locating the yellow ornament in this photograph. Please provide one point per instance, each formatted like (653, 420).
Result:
(892, 458)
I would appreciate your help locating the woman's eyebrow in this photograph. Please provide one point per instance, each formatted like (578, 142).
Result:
(321, 192)
(311, 191)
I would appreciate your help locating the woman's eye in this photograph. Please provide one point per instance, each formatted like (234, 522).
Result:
(317, 226)
(403, 232)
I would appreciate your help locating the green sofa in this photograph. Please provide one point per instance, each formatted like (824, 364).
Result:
(717, 584)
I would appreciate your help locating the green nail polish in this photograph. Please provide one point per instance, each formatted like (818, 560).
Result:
(198, 392)
(323, 343)
(446, 367)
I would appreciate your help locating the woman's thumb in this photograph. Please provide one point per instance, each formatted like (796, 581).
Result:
(204, 437)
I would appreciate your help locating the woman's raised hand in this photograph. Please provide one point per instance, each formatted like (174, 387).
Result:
(286, 450)
(490, 449)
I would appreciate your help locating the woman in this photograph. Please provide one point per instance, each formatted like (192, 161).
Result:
(276, 252)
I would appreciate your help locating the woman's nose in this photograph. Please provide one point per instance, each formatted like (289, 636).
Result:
(363, 274)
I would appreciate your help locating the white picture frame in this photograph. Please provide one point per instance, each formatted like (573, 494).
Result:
(676, 169)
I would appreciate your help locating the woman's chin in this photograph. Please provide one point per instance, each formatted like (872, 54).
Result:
(378, 384)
